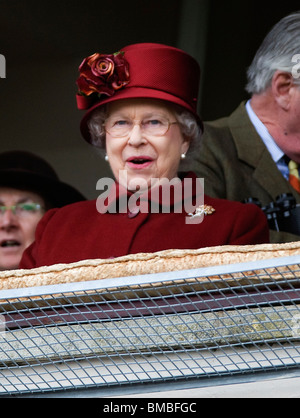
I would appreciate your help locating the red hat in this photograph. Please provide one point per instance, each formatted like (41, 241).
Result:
(144, 70)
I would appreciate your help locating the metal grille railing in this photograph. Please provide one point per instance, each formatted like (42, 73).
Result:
(217, 321)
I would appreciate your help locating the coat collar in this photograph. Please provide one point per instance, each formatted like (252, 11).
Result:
(246, 138)
(252, 151)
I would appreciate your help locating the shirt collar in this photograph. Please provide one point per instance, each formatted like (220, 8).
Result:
(273, 148)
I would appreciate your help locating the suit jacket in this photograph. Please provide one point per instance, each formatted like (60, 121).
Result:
(78, 231)
(236, 165)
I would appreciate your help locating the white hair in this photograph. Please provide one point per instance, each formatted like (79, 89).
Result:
(276, 52)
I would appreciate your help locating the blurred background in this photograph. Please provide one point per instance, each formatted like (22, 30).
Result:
(45, 41)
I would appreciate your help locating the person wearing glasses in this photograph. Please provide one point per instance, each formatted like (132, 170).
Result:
(141, 113)
(28, 188)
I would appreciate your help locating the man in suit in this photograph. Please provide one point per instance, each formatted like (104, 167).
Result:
(247, 154)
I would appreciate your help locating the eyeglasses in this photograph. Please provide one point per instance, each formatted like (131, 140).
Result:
(152, 126)
(22, 210)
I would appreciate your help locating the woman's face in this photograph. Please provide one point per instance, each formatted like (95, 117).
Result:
(139, 160)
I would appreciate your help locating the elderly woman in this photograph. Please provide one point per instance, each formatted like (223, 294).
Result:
(141, 111)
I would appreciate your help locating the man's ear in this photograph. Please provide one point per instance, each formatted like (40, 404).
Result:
(282, 84)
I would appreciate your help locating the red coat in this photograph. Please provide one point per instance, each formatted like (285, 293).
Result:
(78, 231)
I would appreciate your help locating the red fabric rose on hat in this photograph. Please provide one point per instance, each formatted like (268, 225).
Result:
(101, 74)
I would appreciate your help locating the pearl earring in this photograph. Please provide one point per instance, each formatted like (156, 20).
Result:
(182, 156)
(106, 157)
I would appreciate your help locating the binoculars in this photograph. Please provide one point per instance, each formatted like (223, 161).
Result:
(283, 214)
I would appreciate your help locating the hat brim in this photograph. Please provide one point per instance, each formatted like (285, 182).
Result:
(54, 192)
(135, 93)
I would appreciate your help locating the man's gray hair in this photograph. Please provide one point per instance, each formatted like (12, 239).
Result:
(276, 52)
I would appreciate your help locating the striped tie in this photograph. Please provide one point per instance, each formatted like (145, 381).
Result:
(294, 175)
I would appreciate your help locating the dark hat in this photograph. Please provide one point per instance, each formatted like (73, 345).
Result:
(144, 70)
(26, 171)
